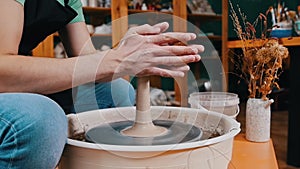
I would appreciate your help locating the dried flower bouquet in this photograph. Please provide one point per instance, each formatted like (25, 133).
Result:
(262, 58)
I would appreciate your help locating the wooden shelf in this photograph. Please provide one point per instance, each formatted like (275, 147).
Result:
(212, 37)
(205, 17)
(107, 11)
(134, 11)
(96, 11)
(291, 41)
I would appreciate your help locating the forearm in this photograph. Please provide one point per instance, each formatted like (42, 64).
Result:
(48, 75)
(142, 52)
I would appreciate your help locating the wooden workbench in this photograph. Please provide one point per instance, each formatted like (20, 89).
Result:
(250, 155)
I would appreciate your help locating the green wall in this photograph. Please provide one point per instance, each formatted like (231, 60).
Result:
(252, 8)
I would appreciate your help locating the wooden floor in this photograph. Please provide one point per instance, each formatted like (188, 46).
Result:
(279, 132)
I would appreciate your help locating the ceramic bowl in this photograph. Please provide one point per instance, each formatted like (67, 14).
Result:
(282, 30)
(297, 26)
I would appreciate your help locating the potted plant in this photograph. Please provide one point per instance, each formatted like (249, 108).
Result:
(260, 66)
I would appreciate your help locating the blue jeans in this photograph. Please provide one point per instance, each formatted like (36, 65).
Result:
(117, 93)
(33, 128)
(33, 131)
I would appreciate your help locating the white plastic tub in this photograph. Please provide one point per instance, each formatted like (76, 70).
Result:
(207, 153)
(221, 102)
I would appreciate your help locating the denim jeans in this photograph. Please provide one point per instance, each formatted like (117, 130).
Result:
(33, 131)
(117, 93)
(33, 128)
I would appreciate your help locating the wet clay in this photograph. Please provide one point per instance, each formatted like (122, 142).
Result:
(111, 134)
(143, 125)
(143, 130)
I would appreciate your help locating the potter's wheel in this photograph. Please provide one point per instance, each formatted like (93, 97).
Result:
(111, 134)
(144, 131)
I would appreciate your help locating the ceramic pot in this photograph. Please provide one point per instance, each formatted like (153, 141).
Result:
(258, 119)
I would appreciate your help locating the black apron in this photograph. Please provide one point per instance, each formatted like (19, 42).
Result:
(41, 19)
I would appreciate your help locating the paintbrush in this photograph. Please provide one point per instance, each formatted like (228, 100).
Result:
(273, 15)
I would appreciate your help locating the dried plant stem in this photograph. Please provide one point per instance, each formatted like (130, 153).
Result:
(259, 63)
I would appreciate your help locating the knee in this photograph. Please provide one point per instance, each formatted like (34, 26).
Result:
(49, 128)
(35, 113)
(117, 93)
(123, 93)
(39, 127)
(46, 116)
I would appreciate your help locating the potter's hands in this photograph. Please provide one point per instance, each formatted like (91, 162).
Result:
(146, 50)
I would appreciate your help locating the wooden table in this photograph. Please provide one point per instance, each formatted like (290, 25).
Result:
(293, 44)
(251, 155)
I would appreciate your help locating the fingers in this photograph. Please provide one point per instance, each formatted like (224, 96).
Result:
(174, 55)
(162, 26)
(181, 68)
(175, 72)
(180, 50)
(171, 38)
(147, 29)
(156, 52)
(200, 48)
(176, 60)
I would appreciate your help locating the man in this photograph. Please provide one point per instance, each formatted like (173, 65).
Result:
(33, 127)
